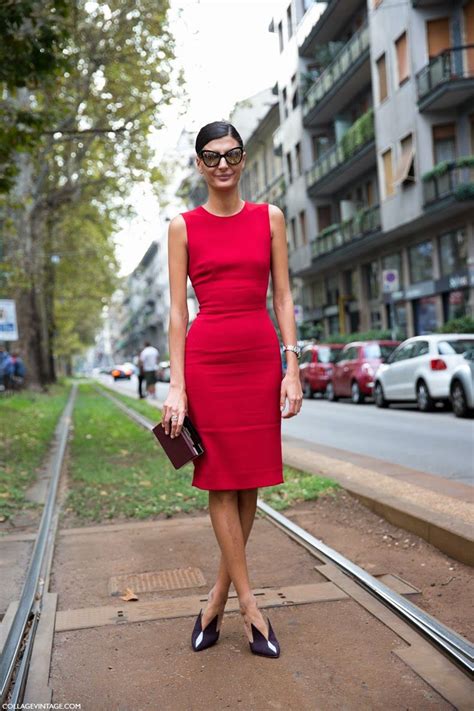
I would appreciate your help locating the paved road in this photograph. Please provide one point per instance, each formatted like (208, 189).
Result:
(437, 442)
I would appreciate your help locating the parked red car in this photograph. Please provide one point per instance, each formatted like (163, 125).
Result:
(316, 366)
(353, 373)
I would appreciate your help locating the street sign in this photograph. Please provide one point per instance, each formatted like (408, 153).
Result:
(8, 324)
(298, 313)
(390, 281)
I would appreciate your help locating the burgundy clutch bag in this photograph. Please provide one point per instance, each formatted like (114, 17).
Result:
(183, 448)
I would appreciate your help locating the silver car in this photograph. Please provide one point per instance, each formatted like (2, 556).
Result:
(462, 387)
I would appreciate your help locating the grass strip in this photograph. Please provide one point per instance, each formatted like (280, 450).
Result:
(27, 423)
(119, 470)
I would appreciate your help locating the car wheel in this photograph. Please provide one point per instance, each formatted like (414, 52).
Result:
(423, 397)
(308, 390)
(379, 397)
(458, 400)
(356, 395)
(330, 394)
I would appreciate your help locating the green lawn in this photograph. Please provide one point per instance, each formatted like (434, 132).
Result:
(135, 478)
(27, 424)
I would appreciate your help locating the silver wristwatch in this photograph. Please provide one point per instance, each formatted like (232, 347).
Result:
(295, 349)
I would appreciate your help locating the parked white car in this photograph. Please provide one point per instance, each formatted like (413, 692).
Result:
(420, 370)
(462, 386)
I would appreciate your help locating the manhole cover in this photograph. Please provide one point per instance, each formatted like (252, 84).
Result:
(175, 579)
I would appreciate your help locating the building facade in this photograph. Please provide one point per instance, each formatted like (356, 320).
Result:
(376, 101)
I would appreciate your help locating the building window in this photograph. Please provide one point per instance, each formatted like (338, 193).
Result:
(402, 59)
(438, 36)
(324, 213)
(289, 167)
(405, 174)
(444, 142)
(382, 75)
(456, 304)
(280, 36)
(453, 252)
(372, 280)
(394, 262)
(420, 258)
(293, 231)
(295, 99)
(299, 167)
(425, 315)
(289, 21)
(320, 146)
(375, 320)
(333, 325)
(303, 226)
(332, 291)
(388, 173)
(285, 102)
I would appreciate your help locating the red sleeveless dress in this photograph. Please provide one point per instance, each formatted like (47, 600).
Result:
(233, 367)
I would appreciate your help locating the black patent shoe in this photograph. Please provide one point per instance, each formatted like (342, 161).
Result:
(202, 639)
(261, 645)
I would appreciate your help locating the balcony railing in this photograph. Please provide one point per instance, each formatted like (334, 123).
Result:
(363, 223)
(359, 135)
(449, 179)
(341, 63)
(274, 192)
(450, 65)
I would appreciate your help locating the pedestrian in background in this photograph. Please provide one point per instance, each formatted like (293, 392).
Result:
(18, 370)
(140, 376)
(6, 368)
(149, 359)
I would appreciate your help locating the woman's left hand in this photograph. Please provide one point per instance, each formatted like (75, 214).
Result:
(291, 389)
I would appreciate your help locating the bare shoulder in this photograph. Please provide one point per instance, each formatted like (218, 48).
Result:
(177, 229)
(277, 218)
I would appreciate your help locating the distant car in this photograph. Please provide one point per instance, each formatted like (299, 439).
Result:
(461, 389)
(163, 371)
(355, 368)
(420, 370)
(120, 372)
(316, 366)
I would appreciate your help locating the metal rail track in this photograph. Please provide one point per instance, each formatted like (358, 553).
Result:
(454, 645)
(16, 653)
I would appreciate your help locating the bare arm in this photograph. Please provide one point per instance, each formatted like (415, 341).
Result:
(176, 402)
(284, 308)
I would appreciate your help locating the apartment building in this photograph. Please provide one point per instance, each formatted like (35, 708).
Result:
(377, 135)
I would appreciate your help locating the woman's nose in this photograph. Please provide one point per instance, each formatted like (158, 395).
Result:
(220, 161)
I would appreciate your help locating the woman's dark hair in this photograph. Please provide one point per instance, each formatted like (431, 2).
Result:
(216, 129)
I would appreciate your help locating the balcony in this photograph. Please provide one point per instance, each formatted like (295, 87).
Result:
(365, 222)
(274, 192)
(449, 181)
(427, 3)
(299, 260)
(326, 26)
(350, 69)
(448, 80)
(347, 160)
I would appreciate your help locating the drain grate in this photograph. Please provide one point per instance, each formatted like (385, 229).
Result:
(175, 579)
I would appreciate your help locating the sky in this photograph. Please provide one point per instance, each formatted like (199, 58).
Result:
(227, 55)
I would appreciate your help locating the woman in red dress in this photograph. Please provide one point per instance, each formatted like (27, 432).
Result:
(226, 372)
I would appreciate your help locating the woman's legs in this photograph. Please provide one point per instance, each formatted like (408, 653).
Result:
(232, 514)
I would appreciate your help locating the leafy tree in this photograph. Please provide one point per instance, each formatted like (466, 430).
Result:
(120, 74)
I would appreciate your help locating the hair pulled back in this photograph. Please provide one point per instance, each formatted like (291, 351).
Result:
(216, 129)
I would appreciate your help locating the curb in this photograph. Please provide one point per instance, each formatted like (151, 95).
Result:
(445, 522)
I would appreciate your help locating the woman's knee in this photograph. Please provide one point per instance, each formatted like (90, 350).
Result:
(223, 495)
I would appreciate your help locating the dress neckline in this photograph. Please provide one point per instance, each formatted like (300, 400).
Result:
(223, 216)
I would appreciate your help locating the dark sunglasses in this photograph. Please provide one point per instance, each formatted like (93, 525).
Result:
(212, 158)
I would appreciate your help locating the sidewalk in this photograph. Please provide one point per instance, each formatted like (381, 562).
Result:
(436, 509)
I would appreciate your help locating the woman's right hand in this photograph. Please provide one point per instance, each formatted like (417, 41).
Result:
(176, 403)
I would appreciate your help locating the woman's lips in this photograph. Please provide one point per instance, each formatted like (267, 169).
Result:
(224, 177)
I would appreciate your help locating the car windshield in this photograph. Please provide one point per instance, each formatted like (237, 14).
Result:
(327, 354)
(377, 350)
(455, 346)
